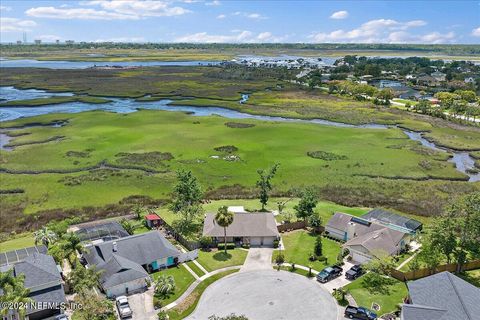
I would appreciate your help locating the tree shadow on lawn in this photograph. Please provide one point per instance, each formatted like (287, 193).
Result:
(222, 256)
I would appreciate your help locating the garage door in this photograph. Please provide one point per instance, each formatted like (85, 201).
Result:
(256, 241)
(268, 241)
(360, 258)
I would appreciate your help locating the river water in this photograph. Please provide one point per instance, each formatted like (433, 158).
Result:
(24, 63)
(462, 160)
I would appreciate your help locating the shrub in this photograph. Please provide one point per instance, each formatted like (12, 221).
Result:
(276, 242)
(318, 246)
(246, 245)
(312, 257)
(279, 258)
(322, 259)
(205, 242)
(163, 315)
(157, 303)
(230, 246)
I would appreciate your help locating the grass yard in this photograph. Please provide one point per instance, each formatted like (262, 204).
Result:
(190, 303)
(472, 276)
(297, 271)
(195, 268)
(19, 242)
(299, 245)
(213, 260)
(183, 279)
(388, 302)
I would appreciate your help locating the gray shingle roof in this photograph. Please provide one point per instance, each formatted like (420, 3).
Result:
(385, 216)
(119, 270)
(42, 278)
(443, 291)
(39, 269)
(384, 239)
(140, 248)
(261, 224)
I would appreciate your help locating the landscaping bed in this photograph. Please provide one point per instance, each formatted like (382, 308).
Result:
(183, 279)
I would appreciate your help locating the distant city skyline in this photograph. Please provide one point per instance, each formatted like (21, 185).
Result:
(213, 21)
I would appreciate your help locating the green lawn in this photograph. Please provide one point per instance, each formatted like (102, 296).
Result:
(472, 276)
(299, 245)
(20, 242)
(215, 259)
(189, 304)
(195, 268)
(183, 279)
(388, 302)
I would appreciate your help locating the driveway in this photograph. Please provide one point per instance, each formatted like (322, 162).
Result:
(258, 259)
(265, 295)
(340, 281)
(142, 305)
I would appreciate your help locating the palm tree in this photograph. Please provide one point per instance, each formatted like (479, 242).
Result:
(45, 236)
(224, 218)
(128, 226)
(13, 291)
(71, 244)
(165, 285)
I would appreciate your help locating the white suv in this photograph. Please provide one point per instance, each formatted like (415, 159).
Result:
(123, 307)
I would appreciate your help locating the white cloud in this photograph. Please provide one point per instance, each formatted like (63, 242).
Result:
(476, 32)
(5, 8)
(122, 39)
(237, 36)
(339, 15)
(213, 3)
(110, 10)
(250, 15)
(384, 30)
(221, 16)
(15, 25)
(436, 37)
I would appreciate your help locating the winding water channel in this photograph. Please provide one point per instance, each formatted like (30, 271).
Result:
(463, 161)
(27, 63)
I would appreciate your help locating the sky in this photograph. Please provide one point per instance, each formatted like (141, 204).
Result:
(220, 21)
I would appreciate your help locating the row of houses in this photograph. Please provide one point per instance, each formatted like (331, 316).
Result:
(377, 232)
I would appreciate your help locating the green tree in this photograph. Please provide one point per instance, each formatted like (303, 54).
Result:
(138, 210)
(264, 183)
(186, 192)
(66, 248)
(165, 285)
(128, 226)
(306, 205)
(224, 218)
(94, 307)
(44, 236)
(465, 214)
(430, 256)
(82, 279)
(442, 236)
(318, 250)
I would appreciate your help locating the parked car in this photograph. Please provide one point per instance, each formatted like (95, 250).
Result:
(354, 272)
(123, 307)
(359, 313)
(329, 273)
(61, 317)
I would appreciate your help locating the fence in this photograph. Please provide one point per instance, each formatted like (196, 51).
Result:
(190, 245)
(188, 256)
(292, 226)
(422, 273)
